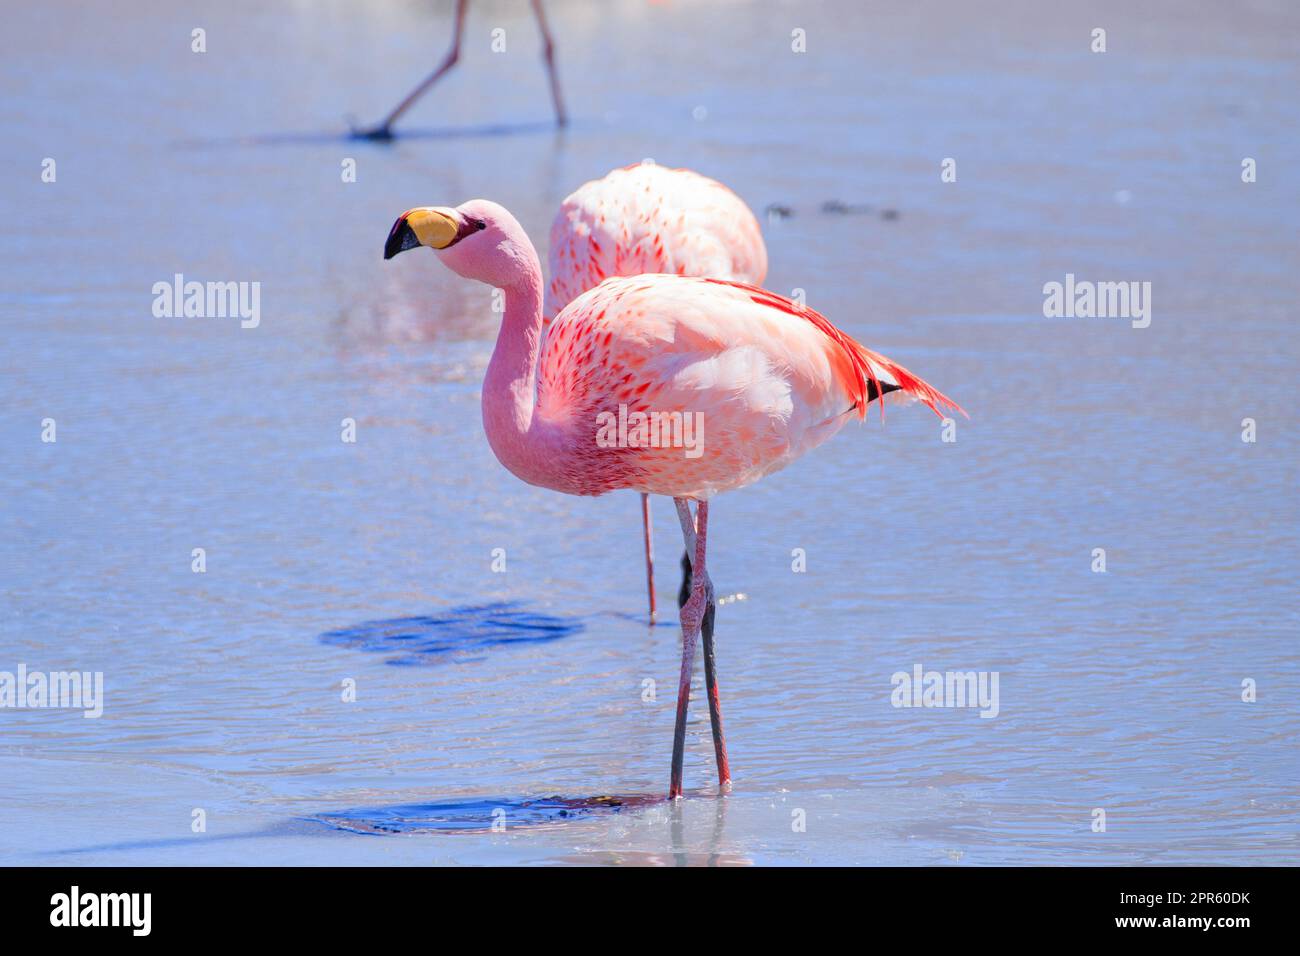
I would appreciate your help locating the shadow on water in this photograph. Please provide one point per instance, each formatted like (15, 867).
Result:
(479, 815)
(325, 137)
(453, 816)
(459, 634)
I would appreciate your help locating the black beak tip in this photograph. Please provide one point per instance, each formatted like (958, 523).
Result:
(400, 238)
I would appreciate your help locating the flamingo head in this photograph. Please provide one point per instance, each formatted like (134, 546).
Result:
(478, 240)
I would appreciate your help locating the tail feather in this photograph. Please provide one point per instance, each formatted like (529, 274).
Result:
(868, 366)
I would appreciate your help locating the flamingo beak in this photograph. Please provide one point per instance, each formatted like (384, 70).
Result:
(437, 227)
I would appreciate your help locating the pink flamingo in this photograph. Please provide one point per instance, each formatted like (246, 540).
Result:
(385, 129)
(647, 218)
(772, 380)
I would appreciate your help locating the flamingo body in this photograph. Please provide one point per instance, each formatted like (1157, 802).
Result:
(646, 218)
(763, 379)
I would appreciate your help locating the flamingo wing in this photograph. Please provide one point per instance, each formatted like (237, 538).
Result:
(766, 379)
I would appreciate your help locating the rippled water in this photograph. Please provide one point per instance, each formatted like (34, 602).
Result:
(524, 699)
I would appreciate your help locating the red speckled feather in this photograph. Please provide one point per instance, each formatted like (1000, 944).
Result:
(650, 219)
(768, 380)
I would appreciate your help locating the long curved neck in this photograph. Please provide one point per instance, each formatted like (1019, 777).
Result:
(510, 386)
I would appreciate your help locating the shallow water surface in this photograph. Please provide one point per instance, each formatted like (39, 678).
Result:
(349, 679)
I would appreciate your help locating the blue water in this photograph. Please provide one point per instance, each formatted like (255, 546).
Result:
(350, 679)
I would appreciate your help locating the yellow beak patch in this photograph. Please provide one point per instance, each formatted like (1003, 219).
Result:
(434, 226)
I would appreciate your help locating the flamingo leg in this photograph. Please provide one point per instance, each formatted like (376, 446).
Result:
(649, 554)
(710, 674)
(548, 54)
(695, 532)
(715, 705)
(384, 129)
(684, 591)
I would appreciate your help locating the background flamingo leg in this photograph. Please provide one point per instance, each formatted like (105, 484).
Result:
(384, 129)
(548, 54)
(649, 554)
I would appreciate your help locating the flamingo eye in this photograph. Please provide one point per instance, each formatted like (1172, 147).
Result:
(479, 224)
